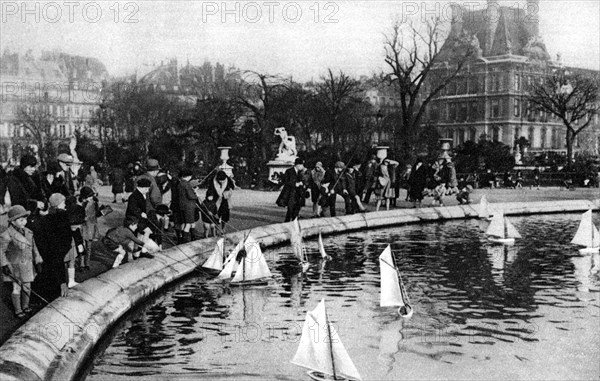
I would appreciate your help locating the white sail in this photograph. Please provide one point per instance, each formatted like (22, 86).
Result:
(215, 261)
(231, 264)
(323, 354)
(511, 231)
(587, 235)
(253, 266)
(391, 294)
(296, 241)
(496, 227)
(322, 247)
(484, 208)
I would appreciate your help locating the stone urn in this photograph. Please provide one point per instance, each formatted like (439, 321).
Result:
(224, 166)
(382, 152)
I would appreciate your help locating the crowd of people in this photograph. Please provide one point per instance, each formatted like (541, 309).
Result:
(49, 219)
(357, 182)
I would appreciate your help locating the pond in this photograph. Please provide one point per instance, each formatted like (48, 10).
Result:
(482, 311)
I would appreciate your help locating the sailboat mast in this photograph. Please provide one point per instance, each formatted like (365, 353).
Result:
(330, 345)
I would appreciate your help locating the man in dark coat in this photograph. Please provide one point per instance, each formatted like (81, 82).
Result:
(54, 239)
(338, 184)
(155, 197)
(65, 161)
(292, 194)
(418, 182)
(138, 205)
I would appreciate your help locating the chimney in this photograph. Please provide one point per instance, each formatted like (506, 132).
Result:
(492, 17)
(532, 18)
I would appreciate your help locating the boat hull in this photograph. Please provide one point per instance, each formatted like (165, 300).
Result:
(408, 314)
(318, 376)
(589, 250)
(211, 272)
(255, 282)
(505, 241)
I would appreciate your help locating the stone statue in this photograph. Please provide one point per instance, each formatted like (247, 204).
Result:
(287, 147)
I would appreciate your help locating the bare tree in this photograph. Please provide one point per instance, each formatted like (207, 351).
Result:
(421, 55)
(256, 93)
(571, 97)
(337, 94)
(38, 121)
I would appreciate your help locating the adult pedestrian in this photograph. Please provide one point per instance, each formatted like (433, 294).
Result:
(24, 186)
(188, 203)
(221, 189)
(338, 185)
(117, 181)
(292, 194)
(317, 174)
(418, 182)
(55, 243)
(370, 167)
(65, 161)
(404, 181)
(353, 179)
(384, 190)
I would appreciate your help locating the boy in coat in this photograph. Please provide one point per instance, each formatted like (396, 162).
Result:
(21, 258)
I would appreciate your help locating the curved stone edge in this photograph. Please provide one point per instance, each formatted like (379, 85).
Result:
(56, 341)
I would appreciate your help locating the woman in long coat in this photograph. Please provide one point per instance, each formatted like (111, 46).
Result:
(418, 182)
(384, 189)
(188, 202)
(221, 188)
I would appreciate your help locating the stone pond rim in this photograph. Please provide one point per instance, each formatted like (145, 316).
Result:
(53, 346)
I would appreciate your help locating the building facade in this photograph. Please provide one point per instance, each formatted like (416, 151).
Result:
(62, 88)
(488, 98)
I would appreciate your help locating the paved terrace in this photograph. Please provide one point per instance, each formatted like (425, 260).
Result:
(256, 208)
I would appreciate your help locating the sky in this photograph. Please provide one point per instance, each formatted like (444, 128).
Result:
(298, 38)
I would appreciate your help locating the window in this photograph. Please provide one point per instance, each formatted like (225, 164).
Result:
(495, 110)
(461, 136)
(463, 111)
(452, 112)
(496, 134)
(452, 88)
(517, 82)
(474, 114)
(76, 110)
(473, 134)
(543, 138)
(461, 87)
(517, 107)
(62, 131)
(517, 133)
(531, 136)
(474, 85)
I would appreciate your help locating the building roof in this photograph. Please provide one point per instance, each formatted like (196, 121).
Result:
(499, 31)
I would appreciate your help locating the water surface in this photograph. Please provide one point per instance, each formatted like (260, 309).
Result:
(482, 311)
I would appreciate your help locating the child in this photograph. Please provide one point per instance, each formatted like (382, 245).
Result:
(208, 210)
(463, 196)
(122, 240)
(19, 256)
(76, 215)
(90, 227)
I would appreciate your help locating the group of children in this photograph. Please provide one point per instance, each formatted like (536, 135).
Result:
(70, 223)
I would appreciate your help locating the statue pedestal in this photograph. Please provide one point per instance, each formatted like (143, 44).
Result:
(277, 168)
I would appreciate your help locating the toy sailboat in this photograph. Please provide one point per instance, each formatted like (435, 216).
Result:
(298, 245)
(324, 255)
(587, 235)
(484, 210)
(253, 268)
(325, 356)
(214, 263)
(231, 264)
(502, 230)
(392, 288)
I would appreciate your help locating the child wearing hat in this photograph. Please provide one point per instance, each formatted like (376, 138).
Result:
(208, 211)
(90, 227)
(122, 240)
(20, 257)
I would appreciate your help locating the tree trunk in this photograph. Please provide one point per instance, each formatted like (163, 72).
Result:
(570, 139)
